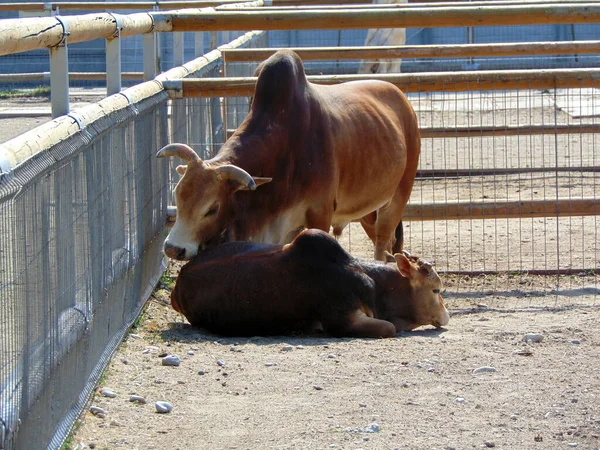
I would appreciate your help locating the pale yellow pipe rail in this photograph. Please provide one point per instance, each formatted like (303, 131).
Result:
(420, 51)
(165, 5)
(183, 4)
(409, 82)
(493, 209)
(213, 20)
(21, 35)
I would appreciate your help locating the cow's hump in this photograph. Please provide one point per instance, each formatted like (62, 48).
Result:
(281, 83)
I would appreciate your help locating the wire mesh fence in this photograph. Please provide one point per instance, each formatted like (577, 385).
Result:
(80, 254)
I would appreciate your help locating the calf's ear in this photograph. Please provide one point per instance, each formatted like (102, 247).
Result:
(406, 269)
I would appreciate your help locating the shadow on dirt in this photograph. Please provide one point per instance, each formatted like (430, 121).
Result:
(185, 333)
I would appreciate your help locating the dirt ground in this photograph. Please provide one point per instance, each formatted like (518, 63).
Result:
(415, 391)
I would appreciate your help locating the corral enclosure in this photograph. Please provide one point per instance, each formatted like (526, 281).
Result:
(504, 204)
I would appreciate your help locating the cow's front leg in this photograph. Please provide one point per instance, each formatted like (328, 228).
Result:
(319, 218)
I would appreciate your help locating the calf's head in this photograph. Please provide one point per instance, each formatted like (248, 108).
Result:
(426, 306)
(203, 197)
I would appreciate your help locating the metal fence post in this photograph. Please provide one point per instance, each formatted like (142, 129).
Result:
(113, 60)
(59, 74)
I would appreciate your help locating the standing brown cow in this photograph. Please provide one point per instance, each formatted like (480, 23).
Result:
(306, 156)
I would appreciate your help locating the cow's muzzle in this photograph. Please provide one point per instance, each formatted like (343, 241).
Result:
(174, 252)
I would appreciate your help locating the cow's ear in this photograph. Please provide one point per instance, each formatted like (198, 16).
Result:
(181, 169)
(262, 180)
(404, 266)
(258, 181)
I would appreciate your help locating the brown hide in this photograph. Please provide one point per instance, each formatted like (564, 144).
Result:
(335, 154)
(243, 288)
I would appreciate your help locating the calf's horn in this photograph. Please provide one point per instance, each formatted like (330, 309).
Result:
(235, 173)
(182, 151)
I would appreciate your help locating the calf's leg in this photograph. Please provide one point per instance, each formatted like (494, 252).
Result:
(358, 324)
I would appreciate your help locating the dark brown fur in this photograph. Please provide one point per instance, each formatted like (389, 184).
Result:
(242, 288)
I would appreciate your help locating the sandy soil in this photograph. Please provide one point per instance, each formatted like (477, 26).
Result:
(415, 391)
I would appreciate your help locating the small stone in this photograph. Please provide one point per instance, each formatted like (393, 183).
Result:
(460, 400)
(190, 353)
(331, 356)
(574, 400)
(97, 411)
(572, 444)
(201, 372)
(287, 348)
(489, 444)
(171, 360)
(270, 364)
(523, 352)
(134, 336)
(484, 369)
(514, 417)
(233, 348)
(220, 363)
(162, 355)
(317, 387)
(300, 347)
(575, 341)
(482, 306)
(373, 428)
(362, 405)
(106, 392)
(125, 361)
(533, 337)
(114, 423)
(163, 407)
(431, 369)
(137, 399)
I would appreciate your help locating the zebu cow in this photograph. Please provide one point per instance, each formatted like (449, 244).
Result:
(316, 155)
(245, 288)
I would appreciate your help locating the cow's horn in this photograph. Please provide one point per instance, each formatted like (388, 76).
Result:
(182, 151)
(235, 173)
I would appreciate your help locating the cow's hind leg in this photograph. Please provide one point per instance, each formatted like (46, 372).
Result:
(399, 244)
(358, 324)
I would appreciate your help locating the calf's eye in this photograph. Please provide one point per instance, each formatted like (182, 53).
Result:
(436, 291)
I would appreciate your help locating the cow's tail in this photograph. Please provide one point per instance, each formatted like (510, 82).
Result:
(397, 247)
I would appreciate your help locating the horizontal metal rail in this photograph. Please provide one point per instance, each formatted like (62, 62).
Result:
(509, 130)
(21, 35)
(498, 209)
(111, 6)
(184, 4)
(465, 16)
(409, 82)
(73, 76)
(440, 4)
(420, 51)
(171, 4)
(455, 173)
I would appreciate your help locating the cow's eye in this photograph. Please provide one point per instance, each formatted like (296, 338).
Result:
(212, 211)
(436, 291)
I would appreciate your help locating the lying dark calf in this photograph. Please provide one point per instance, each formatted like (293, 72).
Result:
(242, 289)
